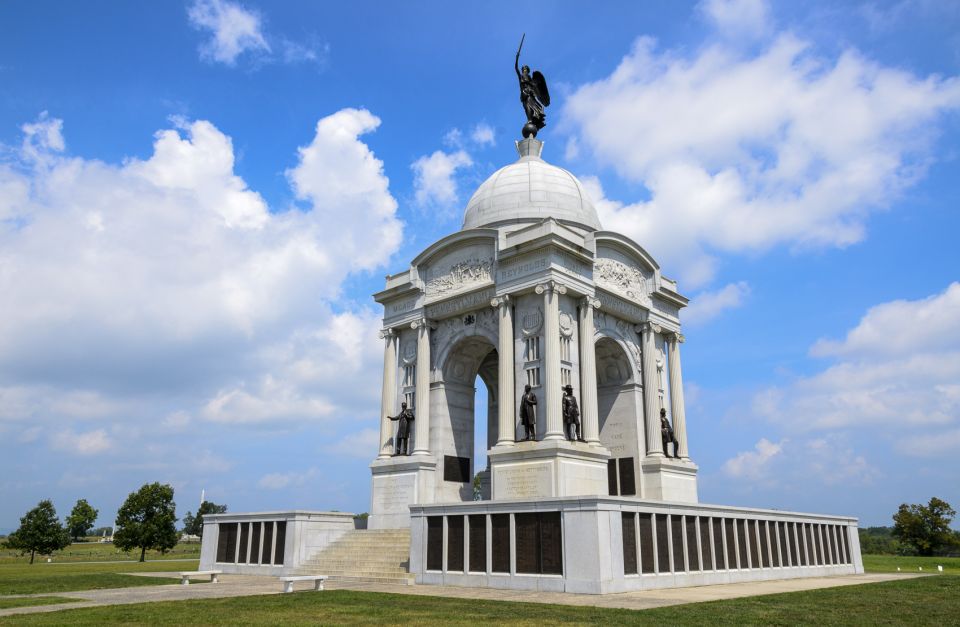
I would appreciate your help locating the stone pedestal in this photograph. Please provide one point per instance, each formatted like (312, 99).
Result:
(668, 479)
(550, 468)
(399, 482)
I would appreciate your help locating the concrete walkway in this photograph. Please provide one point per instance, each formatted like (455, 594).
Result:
(243, 585)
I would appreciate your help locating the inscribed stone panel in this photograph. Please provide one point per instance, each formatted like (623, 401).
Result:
(628, 523)
(455, 543)
(646, 543)
(456, 469)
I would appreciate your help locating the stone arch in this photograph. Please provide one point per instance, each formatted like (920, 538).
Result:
(619, 410)
(468, 353)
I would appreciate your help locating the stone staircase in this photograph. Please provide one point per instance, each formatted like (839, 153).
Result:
(365, 555)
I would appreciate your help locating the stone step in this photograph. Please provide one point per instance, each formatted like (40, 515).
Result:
(403, 579)
(375, 556)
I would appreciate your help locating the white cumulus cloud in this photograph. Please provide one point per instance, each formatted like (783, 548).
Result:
(738, 18)
(753, 464)
(88, 443)
(434, 177)
(906, 386)
(741, 151)
(233, 29)
(707, 305)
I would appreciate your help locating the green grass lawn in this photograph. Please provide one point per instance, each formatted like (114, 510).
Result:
(29, 601)
(65, 577)
(97, 552)
(929, 600)
(890, 563)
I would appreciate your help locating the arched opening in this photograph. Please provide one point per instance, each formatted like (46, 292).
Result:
(619, 405)
(466, 424)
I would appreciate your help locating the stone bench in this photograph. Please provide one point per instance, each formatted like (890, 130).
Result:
(316, 579)
(213, 574)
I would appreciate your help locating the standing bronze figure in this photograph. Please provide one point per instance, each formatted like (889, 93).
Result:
(571, 415)
(666, 434)
(405, 417)
(534, 95)
(528, 413)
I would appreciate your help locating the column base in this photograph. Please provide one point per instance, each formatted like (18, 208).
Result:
(548, 468)
(669, 479)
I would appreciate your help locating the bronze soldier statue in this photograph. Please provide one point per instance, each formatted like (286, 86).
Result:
(528, 413)
(666, 434)
(571, 415)
(534, 95)
(403, 429)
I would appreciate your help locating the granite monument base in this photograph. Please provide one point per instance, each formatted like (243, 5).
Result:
(399, 482)
(548, 468)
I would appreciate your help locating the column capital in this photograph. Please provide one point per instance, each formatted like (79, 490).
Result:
(590, 301)
(646, 327)
(551, 286)
(387, 333)
(675, 336)
(423, 322)
(500, 301)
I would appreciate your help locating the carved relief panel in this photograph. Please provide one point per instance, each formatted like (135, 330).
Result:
(457, 271)
(618, 273)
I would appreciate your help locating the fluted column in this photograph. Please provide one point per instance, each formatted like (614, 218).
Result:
(676, 395)
(651, 412)
(588, 372)
(506, 383)
(551, 291)
(422, 412)
(389, 393)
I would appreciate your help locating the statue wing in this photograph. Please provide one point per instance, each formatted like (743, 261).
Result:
(540, 84)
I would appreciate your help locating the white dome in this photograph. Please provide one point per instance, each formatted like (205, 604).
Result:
(530, 190)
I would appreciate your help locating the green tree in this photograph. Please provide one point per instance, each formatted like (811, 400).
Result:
(81, 519)
(39, 532)
(925, 528)
(146, 520)
(193, 525)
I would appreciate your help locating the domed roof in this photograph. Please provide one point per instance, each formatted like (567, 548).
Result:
(530, 190)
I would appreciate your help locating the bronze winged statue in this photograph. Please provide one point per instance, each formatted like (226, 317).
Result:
(534, 95)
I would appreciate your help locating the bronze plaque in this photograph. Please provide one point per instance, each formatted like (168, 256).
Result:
(281, 541)
(676, 535)
(478, 543)
(455, 543)
(693, 557)
(500, 542)
(551, 543)
(628, 522)
(754, 544)
(434, 542)
(731, 544)
(244, 540)
(255, 542)
(774, 543)
(783, 536)
(612, 477)
(843, 544)
(226, 542)
(646, 542)
(456, 469)
(741, 526)
(627, 483)
(267, 542)
(706, 549)
(663, 544)
(718, 554)
(528, 540)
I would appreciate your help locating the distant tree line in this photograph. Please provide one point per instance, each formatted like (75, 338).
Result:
(145, 521)
(917, 530)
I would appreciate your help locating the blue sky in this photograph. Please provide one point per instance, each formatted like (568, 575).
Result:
(197, 200)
